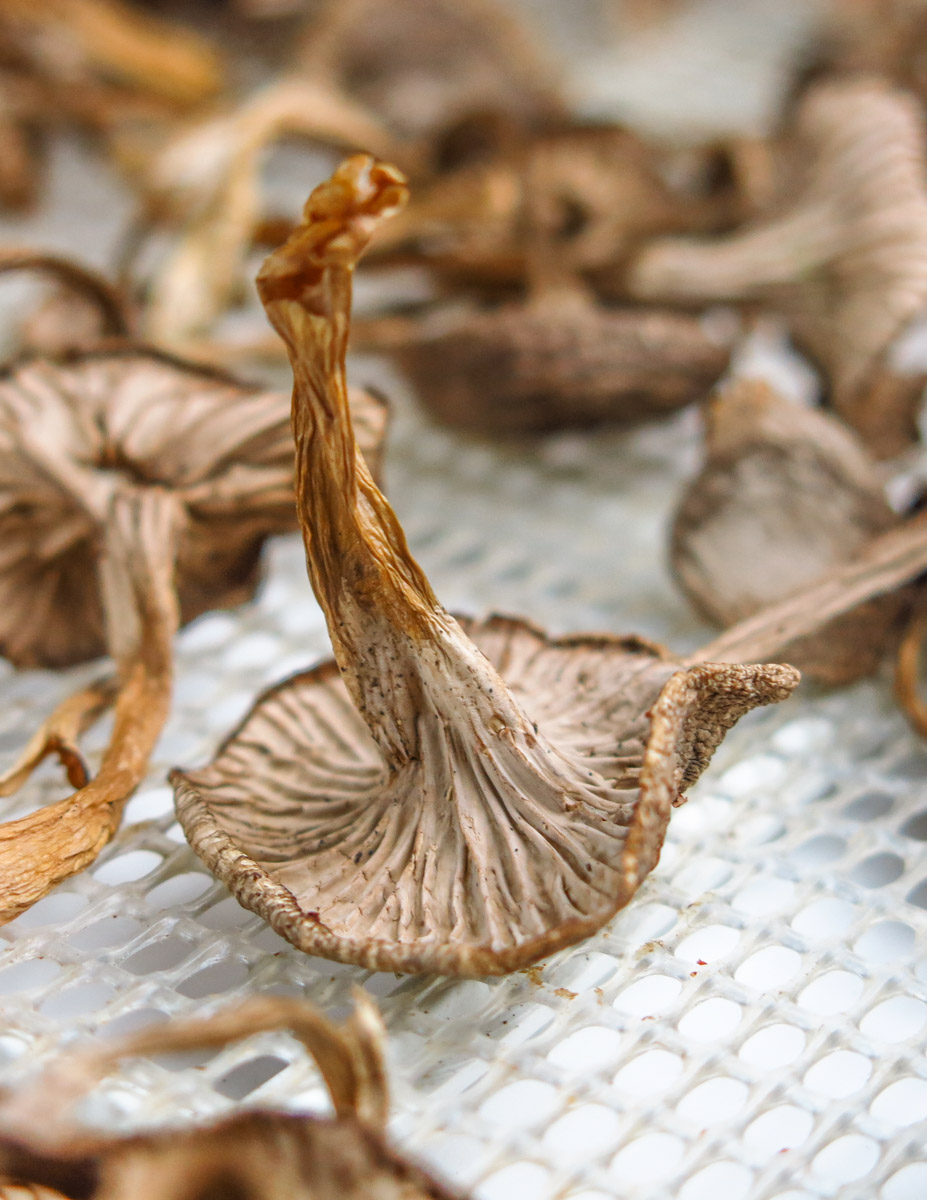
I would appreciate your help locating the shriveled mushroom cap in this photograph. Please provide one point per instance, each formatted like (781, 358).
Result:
(453, 797)
(72, 429)
(257, 1155)
(785, 494)
(844, 254)
(525, 368)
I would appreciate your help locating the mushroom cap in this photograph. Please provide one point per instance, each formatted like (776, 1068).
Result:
(255, 1156)
(533, 368)
(300, 817)
(786, 494)
(72, 430)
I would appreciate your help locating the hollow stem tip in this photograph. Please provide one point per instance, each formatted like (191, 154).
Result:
(449, 796)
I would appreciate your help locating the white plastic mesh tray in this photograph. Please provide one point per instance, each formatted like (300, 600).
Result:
(752, 1026)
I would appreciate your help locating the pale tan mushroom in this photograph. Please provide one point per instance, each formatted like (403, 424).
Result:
(136, 491)
(460, 797)
(257, 1155)
(843, 256)
(784, 494)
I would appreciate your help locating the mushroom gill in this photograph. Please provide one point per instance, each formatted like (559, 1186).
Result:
(459, 797)
(843, 254)
(256, 1155)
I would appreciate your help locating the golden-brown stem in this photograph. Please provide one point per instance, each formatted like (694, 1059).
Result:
(40, 850)
(349, 1056)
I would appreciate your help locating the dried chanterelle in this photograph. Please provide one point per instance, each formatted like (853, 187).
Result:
(786, 492)
(843, 254)
(136, 491)
(449, 796)
(259, 1154)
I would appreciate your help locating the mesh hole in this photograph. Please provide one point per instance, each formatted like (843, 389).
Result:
(770, 968)
(832, 993)
(878, 870)
(888, 941)
(650, 1157)
(781, 1128)
(219, 977)
(179, 889)
(586, 1132)
(587, 1049)
(894, 1020)
(249, 1076)
(652, 994)
(521, 1105)
(158, 956)
(649, 1073)
(128, 867)
(910, 1183)
(847, 1159)
(774, 1046)
(707, 945)
(27, 975)
(715, 1100)
(839, 1074)
(711, 1020)
(111, 931)
(824, 919)
(817, 851)
(519, 1181)
(727, 1179)
(902, 1102)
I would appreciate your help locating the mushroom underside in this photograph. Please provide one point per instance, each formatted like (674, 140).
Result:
(464, 861)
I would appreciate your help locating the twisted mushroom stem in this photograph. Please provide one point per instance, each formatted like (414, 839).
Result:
(137, 576)
(888, 562)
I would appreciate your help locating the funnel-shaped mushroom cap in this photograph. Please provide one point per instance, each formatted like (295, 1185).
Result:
(257, 1155)
(453, 797)
(845, 254)
(72, 432)
(785, 494)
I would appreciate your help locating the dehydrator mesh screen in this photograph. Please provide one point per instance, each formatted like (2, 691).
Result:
(752, 1026)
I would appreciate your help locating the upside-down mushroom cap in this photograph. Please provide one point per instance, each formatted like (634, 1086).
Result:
(785, 493)
(257, 1155)
(75, 428)
(451, 797)
(843, 256)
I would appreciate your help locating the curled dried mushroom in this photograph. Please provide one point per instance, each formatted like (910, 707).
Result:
(843, 255)
(459, 797)
(786, 492)
(256, 1154)
(136, 491)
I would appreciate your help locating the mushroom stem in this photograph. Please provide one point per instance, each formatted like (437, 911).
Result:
(907, 670)
(888, 562)
(742, 265)
(350, 1058)
(137, 570)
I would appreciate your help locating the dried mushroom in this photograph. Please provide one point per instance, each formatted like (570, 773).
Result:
(406, 807)
(553, 362)
(136, 491)
(843, 255)
(786, 492)
(204, 187)
(601, 192)
(421, 64)
(92, 63)
(264, 1155)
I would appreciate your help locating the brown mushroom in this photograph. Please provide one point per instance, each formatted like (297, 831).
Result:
(256, 1155)
(460, 797)
(204, 187)
(136, 491)
(843, 256)
(785, 493)
(422, 64)
(553, 362)
(93, 63)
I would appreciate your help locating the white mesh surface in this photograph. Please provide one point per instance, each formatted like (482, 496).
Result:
(752, 1026)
